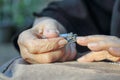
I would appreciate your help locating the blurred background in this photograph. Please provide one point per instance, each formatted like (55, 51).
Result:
(14, 15)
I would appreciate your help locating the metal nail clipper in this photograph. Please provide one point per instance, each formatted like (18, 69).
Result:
(70, 37)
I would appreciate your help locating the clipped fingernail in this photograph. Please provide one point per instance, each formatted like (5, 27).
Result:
(62, 42)
(92, 44)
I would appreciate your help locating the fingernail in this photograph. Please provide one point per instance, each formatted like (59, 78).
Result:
(62, 42)
(92, 44)
(114, 49)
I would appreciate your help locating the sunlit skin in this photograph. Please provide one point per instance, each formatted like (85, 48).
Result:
(100, 45)
(42, 44)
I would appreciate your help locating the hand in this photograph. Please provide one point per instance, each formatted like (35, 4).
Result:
(101, 46)
(42, 44)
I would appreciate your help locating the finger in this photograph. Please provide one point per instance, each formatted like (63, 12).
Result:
(47, 28)
(42, 58)
(103, 45)
(98, 56)
(93, 56)
(67, 53)
(38, 46)
(37, 30)
(93, 38)
(115, 51)
(73, 51)
(51, 29)
(70, 52)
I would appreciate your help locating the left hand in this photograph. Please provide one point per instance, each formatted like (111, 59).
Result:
(101, 46)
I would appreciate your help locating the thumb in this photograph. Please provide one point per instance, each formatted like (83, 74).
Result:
(50, 30)
(51, 33)
(46, 28)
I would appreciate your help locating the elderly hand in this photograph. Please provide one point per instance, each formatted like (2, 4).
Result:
(101, 46)
(42, 44)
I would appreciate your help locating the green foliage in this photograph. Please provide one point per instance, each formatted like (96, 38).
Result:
(18, 12)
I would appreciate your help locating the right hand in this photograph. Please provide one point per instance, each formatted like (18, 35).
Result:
(42, 44)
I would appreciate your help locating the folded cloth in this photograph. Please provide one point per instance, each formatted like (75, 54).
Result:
(18, 69)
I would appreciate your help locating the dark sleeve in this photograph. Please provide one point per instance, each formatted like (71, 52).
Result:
(15, 37)
(65, 12)
(115, 25)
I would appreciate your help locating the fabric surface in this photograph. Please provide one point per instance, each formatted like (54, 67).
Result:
(20, 70)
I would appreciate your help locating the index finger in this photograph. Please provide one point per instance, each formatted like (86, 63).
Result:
(98, 56)
(92, 38)
(45, 45)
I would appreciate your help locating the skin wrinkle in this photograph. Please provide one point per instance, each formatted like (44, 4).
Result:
(52, 47)
(94, 38)
(99, 43)
(26, 56)
(53, 55)
(105, 44)
(62, 51)
(47, 46)
(33, 58)
(50, 57)
(42, 47)
(65, 54)
(35, 50)
(39, 49)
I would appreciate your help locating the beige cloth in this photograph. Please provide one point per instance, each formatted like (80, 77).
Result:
(17, 69)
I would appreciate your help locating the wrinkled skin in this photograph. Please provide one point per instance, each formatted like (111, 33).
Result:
(101, 46)
(42, 44)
